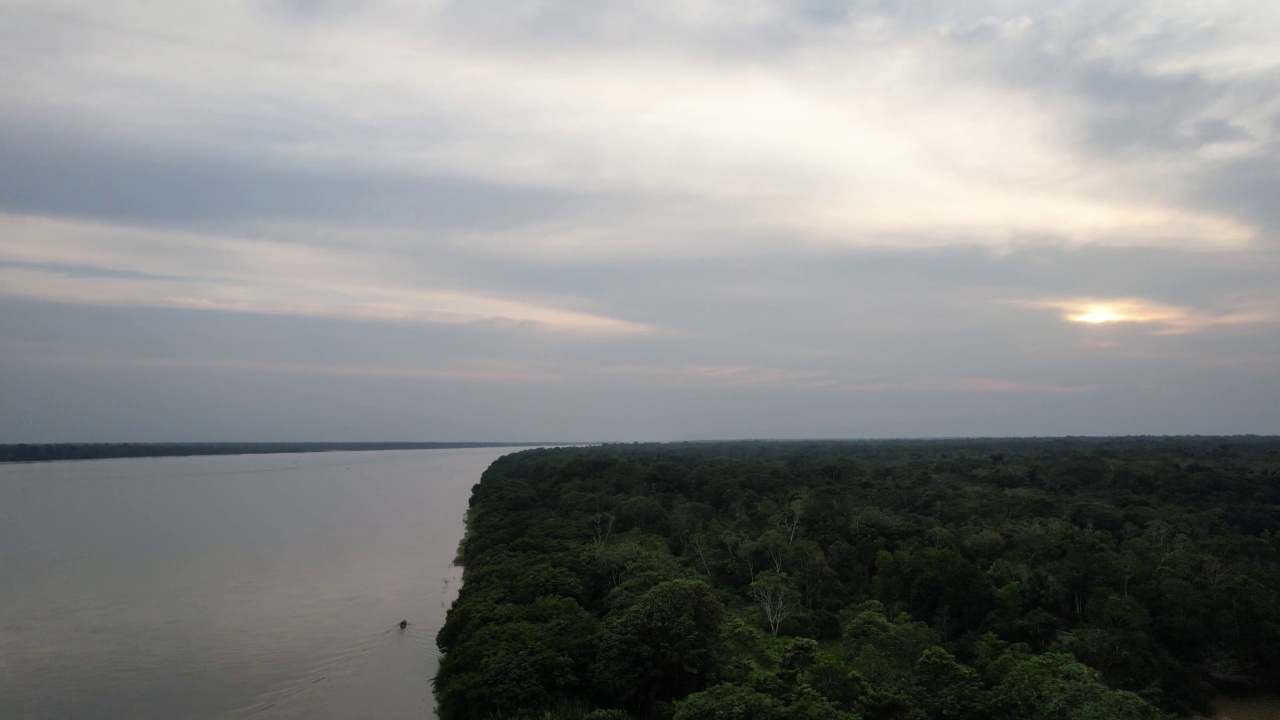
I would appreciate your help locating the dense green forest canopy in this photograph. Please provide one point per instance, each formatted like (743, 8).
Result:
(39, 452)
(1081, 579)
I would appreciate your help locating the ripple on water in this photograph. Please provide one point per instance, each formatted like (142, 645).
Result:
(236, 586)
(1265, 707)
(380, 675)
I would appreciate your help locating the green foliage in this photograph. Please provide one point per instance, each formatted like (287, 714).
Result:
(808, 704)
(922, 580)
(606, 715)
(728, 702)
(505, 668)
(776, 595)
(885, 652)
(946, 688)
(1053, 686)
(664, 646)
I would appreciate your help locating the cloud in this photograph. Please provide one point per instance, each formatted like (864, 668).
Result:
(541, 373)
(72, 262)
(852, 210)
(914, 147)
(743, 375)
(450, 374)
(70, 172)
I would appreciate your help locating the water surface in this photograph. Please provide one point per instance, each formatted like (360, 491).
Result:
(1266, 707)
(247, 587)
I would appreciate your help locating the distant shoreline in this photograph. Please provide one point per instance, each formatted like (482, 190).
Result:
(48, 452)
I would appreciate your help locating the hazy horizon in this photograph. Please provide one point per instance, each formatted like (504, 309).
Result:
(286, 220)
(521, 444)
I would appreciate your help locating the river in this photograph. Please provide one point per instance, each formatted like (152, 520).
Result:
(1265, 707)
(253, 587)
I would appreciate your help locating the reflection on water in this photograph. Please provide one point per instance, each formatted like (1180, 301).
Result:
(262, 586)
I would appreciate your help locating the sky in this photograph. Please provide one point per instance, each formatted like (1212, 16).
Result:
(669, 220)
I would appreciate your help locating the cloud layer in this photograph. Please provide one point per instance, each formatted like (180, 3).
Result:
(1005, 215)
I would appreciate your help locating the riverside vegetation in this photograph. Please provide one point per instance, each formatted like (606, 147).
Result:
(908, 580)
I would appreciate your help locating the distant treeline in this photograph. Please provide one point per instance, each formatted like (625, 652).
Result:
(1053, 579)
(91, 451)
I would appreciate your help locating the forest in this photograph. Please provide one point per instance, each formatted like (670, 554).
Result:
(1047, 579)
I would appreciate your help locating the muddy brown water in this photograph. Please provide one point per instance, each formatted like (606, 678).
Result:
(1257, 708)
(255, 587)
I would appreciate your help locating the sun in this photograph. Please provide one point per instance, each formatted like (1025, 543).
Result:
(1097, 316)
(1099, 311)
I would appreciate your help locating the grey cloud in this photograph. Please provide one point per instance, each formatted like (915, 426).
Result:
(1137, 114)
(1249, 187)
(1137, 391)
(65, 330)
(878, 315)
(780, 282)
(91, 271)
(757, 329)
(151, 404)
(77, 174)
(723, 29)
(306, 8)
(1129, 106)
(825, 11)
(1134, 110)
(1217, 130)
